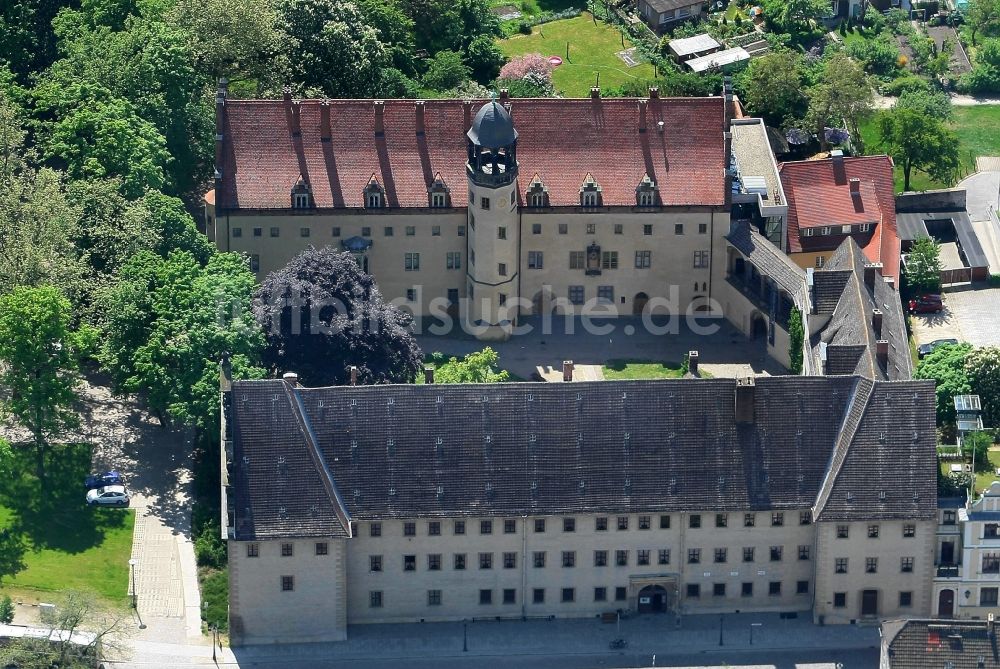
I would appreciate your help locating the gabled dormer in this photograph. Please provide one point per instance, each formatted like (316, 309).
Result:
(374, 194)
(590, 192)
(646, 193)
(302, 197)
(537, 195)
(438, 195)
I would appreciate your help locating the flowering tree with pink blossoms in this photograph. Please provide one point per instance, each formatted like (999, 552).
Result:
(521, 66)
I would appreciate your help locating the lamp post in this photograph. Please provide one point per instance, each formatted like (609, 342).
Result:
(133, 564)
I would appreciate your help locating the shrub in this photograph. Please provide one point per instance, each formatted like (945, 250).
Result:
(6, 610)
(447, 70)
(522, 66)
(209, 548)
(994, 280)
(905, 84)
(983, 78)
(531, 86)
(880, 55)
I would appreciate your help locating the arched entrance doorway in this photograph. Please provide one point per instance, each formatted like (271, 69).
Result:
(758, 326)
(639, 303)
(653, 599)
(869, 602)
(946, 604)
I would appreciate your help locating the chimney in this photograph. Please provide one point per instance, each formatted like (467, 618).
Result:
(419, 108)
(467, 112)
(642, 116)
(379, 120)
(428, 374)
(823, 355)
(882, 352)
(727, 92)
(727, 139)
(504, 95)
(225, 373)
(839, 175)
(744, 400)
(990, 619)
(872, 270)
(659, 127)
(654, 93)
(693, 363)
(890, 281)
(855, 186)
(297, 118)
(595, 92)
(286, 95)
(220, 130)
(291, 378)
(325, 131)
(877, 322)
(567, 370)
(354, 374)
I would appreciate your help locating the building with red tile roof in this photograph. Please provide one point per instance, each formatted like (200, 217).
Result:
(839, 197)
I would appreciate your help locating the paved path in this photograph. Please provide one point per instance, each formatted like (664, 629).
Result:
(982, 192)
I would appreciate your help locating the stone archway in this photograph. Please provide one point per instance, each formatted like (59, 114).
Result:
(758, 325)
(639, 303)
(653, 599)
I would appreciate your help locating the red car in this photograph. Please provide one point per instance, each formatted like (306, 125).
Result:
(926, 304)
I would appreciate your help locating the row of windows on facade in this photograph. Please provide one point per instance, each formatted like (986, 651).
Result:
(411, 230)
(827, 230)
(840, 565)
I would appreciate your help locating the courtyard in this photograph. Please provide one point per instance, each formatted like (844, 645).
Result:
(971, 313)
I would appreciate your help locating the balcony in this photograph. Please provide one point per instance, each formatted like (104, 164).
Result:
(763, 294)
(948, 571)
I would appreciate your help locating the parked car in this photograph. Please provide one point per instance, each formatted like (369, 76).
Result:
(109, 495)
(926, 304)
(101, 480)
(929, 347)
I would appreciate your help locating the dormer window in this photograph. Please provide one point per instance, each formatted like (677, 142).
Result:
(438, 193)
(645, 192)
(301, 194)
(537, 194)
(590, 192)
(439, 200)
(374, 194)
(807, 232)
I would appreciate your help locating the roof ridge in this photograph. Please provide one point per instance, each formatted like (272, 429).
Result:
(848, 428)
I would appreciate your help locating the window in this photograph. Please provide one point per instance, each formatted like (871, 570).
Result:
(694, 521)
(576, 259)
(411, 231)
(568, 594)
(501, 232)
(776, 552)
(375, 530)
(991, 563)
(538, 559)
(253, 550)
(700, 259)
(619, 228)
(486, 596)
(720, 554)
(643, 522)
(777, 519)
(258, 232)
(748, 552)
(609, 260)
(287, 583)
(803, 552)
(509, 596)
(749, 519)
(820, 261)
(388, 232)
(563, 228)
(536, 228)
(805, 517)
(569, 525)
(909, 531)
(434, 528)
(949, 518)
(275, 232)
(718, 589)
(664, 522)
(871, 565)
(459, 561)
(287, 550)
(600, 594)
(411, 294)
(409, 529)
(621, 594)
(873, 531)
(459, 527)
(645, 198)
(411, 262)
(454, 260)
(374, 200)
(486, 527)
(721, 519)
(988, 596)
(606, 294)
(537, 199)
(807, 232)
(621, 558)
(663, 556)
(774, 588)
(601, 524)
(486, 560)
(588, 198)
(600, 558)
(434, 562)
(335, 231)
(746, 589)
(322, 548)
(702, 228)
(439, 200)
(237, 232)
(434, 596)
(839, 600)
(801, 587)
(409, 563)
(906, 564)
(905, 599)
(461, 231)
(642, 557)
(569, 559)
(538, 596)
(509, 526)
(647, 229)
(694, 555)
(693, 590)
(484, 203)
(365, 232)
(840, 566)
(842, 531)
(643, 259)
(539, 525)
(535, 260)
(510, 560)
(990, 531)
(576, 295)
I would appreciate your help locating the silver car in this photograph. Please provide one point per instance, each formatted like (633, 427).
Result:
(109, 495)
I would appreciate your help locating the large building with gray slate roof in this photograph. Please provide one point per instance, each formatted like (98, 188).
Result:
(400, 503)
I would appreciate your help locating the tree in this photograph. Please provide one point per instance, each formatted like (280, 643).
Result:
(922, 269)
(946, 367)
(771, 87)
(796, 336)
(880, 55)
(982, 16)
(792, 15)
(842, 94)
(475, 367)
(172, 227)
(935, 104)
(917, 140)
(321, 314)
(449, 24)
(982, 366)
(38, 352)
(484, 58)
(6, 610)
(446, 71)
(977, 447)
(395, 30)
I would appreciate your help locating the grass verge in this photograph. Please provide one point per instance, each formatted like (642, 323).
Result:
(615, 370)
(214, 597)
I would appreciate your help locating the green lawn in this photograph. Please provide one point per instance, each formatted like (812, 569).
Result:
(52, 540)
(985, 478)
(592, 50)
(535, 7)
(616, 370)
(214, 597)
(978, 130)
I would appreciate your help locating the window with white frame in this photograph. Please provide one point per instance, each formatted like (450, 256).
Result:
(807, 232)
(411, 262)
(439, 200)
(535, 260)
(845, 229)
(865, 227)
(300, 200)
(373, 199)
(825, 230)
(588, 198)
